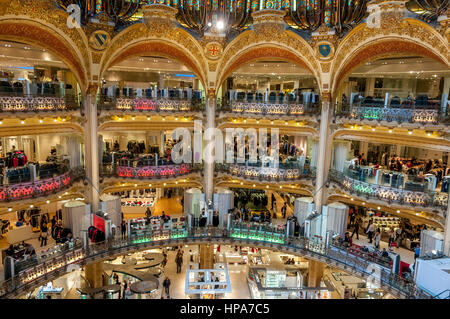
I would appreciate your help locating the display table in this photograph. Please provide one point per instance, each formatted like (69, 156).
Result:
(20, 234)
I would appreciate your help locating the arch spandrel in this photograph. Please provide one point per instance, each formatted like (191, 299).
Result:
(161, 38)
(43, 14)
(267, 42)
(393, 37)
(40, 36)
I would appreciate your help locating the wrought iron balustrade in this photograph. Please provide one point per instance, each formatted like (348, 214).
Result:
(42, 187)
(261, 236)
(13, 102)
(389, 194)
(284, 171)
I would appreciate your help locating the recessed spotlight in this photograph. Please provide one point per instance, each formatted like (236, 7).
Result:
(242, 183)
(398, 211)
(41, 121)
(351, 199)
(31, 206)
(47, 201)
(409, 132)
(9, 209)
(148, 118)
(59, 196)
(373, 129)
(390, 131)
(22, 122)
(271, 122)
(54, 120)
(165, 184)
(133, 118)
(267, 186)
(379, 207)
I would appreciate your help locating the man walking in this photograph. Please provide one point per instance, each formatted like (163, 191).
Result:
(166, 285)
(356, 229)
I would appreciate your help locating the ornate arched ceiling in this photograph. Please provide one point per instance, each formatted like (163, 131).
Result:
(268, 41)
(39, 23)
(394, 37)
(162, 39)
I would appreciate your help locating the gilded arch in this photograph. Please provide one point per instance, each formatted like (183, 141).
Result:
(40, 23)
(405, 37)
(251, 45)
(162, 39)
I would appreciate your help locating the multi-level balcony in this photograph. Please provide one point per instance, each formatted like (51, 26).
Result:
(421, 110)
(273, 104)
(164, 101)
(24, 183)
(46, 97)
(412, 191)
(147, 167)
(283, 172)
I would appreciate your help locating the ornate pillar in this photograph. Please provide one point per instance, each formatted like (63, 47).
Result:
(91, 146)
(447, 231)
(206, 256)
(324, 152)
(315, 273)
(208, 160)
(93, 274)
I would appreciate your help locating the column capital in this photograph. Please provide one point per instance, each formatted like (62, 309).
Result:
(326, 97)
(92, 88)
(211, 93)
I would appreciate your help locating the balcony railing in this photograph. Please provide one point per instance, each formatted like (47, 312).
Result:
(42, 187)
(275, 107)
(149, 172)
(284, 171)
(408, 111)
(248, 234)
(390, 194)
(13, 102)
(143, 104)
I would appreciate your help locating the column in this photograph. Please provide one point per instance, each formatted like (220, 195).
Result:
(324, 153)
(315, 273)
(208, 160)
(206, 256)
(91, 147)
(93, 274)
(447, 231)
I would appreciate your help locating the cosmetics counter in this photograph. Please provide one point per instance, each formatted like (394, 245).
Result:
(258, 231)
(50, 265)
(155, 228)
(267, 283)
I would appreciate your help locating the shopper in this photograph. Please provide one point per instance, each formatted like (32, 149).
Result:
(370, 231)
(179, 261)
(356, 230)
(391, 236)
(53, 221)
(416, 252)
(191, 258)
(44, 234)
(284, 209)
(29, 250)
(148, 213)
(125, 286)
(377, 239)
(123, 229)
(166, 285)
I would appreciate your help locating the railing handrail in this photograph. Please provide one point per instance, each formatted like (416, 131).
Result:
(310, 247)
(431, 199)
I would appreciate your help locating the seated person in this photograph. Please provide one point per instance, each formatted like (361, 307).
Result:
(384, 253)
(29, 250)
(10, 251)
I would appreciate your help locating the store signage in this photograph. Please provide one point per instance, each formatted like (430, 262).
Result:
(98, 223)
